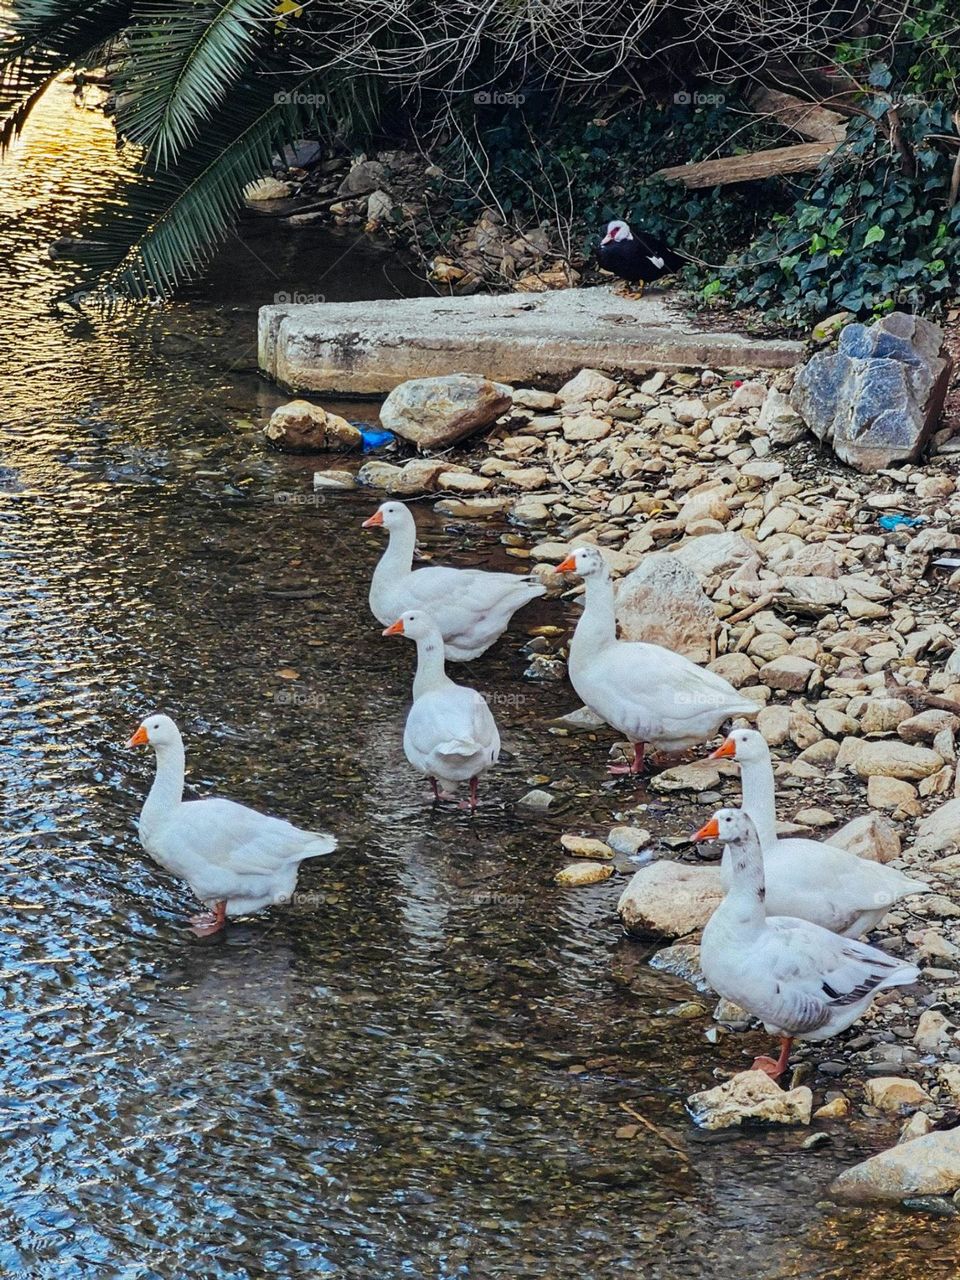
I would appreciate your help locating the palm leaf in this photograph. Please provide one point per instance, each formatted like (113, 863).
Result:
(43, 38)
(173, 219)
(182, 60)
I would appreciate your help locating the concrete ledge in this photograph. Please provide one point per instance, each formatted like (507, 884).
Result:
(368, 348)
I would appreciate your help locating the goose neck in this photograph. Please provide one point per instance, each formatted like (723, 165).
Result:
(759, 800)
(598, 623)
(167, 790)
(430, 665)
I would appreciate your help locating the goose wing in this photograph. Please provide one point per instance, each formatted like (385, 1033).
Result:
(653, 687)
(225, 834)
(814, 978)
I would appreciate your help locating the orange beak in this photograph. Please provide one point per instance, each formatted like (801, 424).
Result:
(374, 521)
(709, 832)
(139, 739)
(394, 629)
(567, 566)
(727, 750)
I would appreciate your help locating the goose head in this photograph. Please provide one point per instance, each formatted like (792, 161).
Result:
(588, 562)
(732, 826)
(617, 231)
(157, 731)
(389, 515)
(746, 746)
(415, 625)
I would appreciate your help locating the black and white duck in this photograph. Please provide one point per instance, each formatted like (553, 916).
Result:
(637, 259)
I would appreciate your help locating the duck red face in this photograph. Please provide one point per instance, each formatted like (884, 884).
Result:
(616, 231)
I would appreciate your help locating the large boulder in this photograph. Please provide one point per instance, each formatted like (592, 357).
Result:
(877, 400)
(302, 427)
(434, 412)
(669, 899)
(926, 1166)
(662, 602)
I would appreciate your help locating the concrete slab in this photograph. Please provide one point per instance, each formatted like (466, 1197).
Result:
(367, 348)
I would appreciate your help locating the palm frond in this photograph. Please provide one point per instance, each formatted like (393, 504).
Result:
(173, 219)
(181, 61)
(41, 40)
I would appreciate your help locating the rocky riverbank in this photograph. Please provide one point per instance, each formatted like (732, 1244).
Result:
(817, 592)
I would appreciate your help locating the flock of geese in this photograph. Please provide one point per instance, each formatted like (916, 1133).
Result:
(783, 944)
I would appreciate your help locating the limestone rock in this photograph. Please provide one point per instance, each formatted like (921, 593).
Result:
(419, 475)
(789, 672)
(628, 840)
(662, 602)
(888, 757)
(750, 1095)
(268, 188)
(941, 829)
(683, 961)
(334, 480)
(585, 846)
(877, 400)
(589, 384)
(934, 1032)
(669, 899)
(895, 1094)
(774, 724)
(716, 554)
(583, 873)
(869, 836)
(915, 1127)
(302, 427)
(925, 726)
(779, 421)
(892, 793)
(736, 668)
(434, 412)
(926, 1166)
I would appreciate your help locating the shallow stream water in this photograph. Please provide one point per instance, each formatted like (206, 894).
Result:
(417, 1068)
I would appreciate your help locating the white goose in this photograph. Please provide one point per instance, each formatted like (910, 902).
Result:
(818, 882)
(647, 692)
(450, 735)
(472, 607)
(803, 982)
(235, 860)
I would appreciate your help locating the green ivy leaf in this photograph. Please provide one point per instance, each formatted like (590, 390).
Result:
(874, 235)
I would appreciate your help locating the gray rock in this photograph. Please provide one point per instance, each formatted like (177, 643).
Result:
(878, 399)
(434, 412)
(537, 800)
(365, 176)
(683, 961)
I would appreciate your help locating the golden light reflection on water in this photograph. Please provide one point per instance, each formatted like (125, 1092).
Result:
(65, 160)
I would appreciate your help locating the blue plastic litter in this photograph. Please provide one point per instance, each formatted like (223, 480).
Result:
(900, 522)
(376, 438)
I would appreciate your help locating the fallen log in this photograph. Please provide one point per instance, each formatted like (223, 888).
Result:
(748, 168)
(809, 119)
